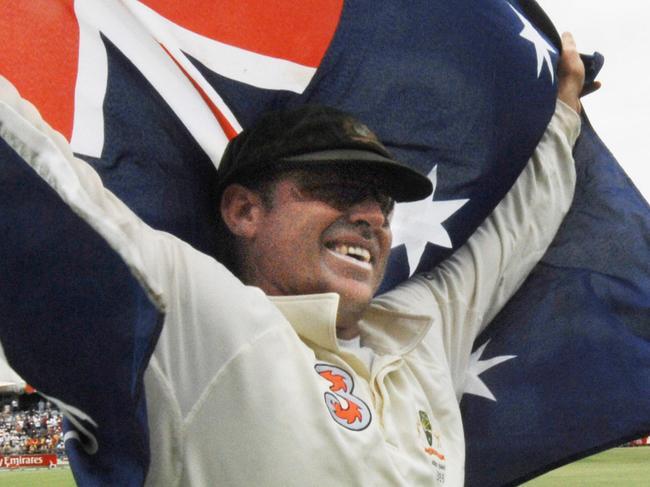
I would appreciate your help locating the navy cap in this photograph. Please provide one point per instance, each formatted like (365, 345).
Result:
(320, 136)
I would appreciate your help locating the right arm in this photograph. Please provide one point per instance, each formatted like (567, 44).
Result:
(209, 315)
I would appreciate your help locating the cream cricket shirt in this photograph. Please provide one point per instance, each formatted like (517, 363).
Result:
(247, 390)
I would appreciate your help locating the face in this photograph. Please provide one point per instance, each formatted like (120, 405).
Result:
(325, 232)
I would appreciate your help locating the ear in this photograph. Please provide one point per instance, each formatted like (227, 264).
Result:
(241, 209)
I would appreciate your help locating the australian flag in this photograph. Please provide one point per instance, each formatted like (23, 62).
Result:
(148, 92)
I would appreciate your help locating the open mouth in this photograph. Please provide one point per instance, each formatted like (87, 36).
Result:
(355, 252)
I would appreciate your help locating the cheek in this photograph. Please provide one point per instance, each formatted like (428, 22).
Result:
(294, 232)
(385, 242)
(292, 239)
(389, 238)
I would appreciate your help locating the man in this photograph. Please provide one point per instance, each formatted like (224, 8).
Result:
(288, 185)
(290, 373)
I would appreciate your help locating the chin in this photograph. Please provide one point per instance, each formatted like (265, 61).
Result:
(356, 298)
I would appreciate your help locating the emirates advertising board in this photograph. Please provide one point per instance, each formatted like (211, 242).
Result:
(27, 461)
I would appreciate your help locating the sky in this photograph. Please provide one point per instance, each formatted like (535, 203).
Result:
(620, 111)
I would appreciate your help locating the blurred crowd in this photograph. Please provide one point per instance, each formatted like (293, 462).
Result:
(36, 430)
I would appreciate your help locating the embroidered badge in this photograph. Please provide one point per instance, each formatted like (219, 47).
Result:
(345, 408)
(437, 458)
(426, 426)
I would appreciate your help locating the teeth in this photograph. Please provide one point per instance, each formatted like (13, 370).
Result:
(358, 253)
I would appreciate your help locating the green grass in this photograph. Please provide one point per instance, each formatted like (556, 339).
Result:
(620, 467)
(624, 467)
(58, 477)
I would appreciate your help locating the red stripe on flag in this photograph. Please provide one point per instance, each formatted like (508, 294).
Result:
(296, 31)
(225, 124)
(39, 55)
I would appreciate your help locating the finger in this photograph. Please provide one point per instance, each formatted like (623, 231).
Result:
(570, 62)
(571, 73)
(568, 42)
(588, 89)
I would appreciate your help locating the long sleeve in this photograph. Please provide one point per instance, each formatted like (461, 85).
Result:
(80, 302)
(192, 289)
(127, 306)
(467, 290)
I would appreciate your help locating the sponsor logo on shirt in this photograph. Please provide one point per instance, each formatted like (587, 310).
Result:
(346, 409)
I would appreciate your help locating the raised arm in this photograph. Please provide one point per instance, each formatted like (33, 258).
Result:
(97, 273)
(471, 286)
(80, 308)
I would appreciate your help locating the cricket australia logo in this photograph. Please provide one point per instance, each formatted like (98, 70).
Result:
(345, 408)
(433, 450)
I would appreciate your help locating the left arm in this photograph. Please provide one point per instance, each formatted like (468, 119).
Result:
(470, 287)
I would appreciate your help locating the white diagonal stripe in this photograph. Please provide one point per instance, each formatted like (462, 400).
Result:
(90, 89)
(129, 36)
(232, 62)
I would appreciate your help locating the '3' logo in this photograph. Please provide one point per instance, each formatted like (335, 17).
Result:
(345, 408)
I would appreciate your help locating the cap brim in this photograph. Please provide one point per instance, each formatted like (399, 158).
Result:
(403, 183)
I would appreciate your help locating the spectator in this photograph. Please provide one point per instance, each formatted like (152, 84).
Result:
(36, 430)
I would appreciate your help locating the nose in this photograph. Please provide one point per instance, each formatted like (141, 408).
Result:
(369, 212)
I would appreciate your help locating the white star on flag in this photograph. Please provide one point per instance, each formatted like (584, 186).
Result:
(473, 384)
(416, 223)
(542, 47)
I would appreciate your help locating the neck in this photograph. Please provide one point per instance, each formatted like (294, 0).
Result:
(347, 323)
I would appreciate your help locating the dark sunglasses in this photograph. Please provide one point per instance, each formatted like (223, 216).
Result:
(342, 194)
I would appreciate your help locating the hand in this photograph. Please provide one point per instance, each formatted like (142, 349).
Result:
(571, 74)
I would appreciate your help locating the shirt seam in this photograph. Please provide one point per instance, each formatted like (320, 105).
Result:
(198, 405)
(165, 384)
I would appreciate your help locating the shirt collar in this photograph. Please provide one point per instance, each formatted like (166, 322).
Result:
(313, 317)
(394, 332)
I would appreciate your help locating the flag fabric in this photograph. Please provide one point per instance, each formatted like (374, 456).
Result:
(148, 92)
(74, 337)
(128, 74)
(579, 331)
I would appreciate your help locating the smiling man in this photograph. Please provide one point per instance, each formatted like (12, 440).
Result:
(283, 369)
(308, 198)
